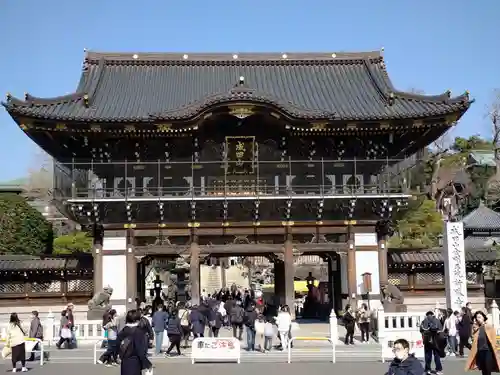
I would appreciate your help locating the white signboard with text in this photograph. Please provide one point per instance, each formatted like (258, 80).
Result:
(454, 266)
(414, 338)
(220, 349)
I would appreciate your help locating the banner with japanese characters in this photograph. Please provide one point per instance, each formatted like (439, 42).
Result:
(240, 154)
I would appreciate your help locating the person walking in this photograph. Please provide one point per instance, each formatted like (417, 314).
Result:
(174, 332)
(133, 346)
(110, 356)
(236, 319)
(249, 320)
(404, 363)
(15, 341)
(430, 329)
(36, 332)
(464, 327)
(159, 324)
(186, 326)
(284, 322)
(483, 355)
(450, 328)
(64, 332)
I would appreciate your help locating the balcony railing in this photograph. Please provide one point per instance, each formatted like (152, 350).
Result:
(220, 179)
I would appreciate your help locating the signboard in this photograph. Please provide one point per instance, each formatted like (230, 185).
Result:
(240, 154)
(454, 266)
(414, 338)
(215, 349)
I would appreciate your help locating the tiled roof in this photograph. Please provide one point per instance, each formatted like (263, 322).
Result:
(436, 256)
(167, 86)
(483, 158)
(481, 242)
(482, 219)
(33, 263)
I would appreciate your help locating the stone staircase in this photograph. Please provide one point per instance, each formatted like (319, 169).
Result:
(211, 277)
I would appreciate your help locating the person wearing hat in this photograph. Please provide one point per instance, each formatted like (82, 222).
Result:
(483, 354)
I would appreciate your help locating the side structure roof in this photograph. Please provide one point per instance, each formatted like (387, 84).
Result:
(482, 219)
(166, 86)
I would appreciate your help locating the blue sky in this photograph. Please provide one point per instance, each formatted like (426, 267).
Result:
(432, 45)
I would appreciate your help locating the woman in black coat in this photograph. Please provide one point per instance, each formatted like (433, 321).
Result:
(198, 321)
(350, 325)
(464, 328)
(133, 346)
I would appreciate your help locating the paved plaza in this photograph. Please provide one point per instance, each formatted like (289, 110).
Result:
(352, 367)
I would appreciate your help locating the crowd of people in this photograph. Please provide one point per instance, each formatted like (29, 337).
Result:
(444, 333)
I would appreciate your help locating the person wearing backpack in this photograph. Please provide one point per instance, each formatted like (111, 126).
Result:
(186, 327)
(237, 314)
(133, 346)
(250, 316)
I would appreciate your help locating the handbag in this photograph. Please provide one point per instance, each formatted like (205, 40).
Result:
(65, 333)
(6, 351)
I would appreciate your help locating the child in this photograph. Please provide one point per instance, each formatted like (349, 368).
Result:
(268, 335)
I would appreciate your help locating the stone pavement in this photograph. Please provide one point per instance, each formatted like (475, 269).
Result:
(352, 367)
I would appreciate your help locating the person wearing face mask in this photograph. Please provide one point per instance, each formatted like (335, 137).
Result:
(483, 355)
(404, 363)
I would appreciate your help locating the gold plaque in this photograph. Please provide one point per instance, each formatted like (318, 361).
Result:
(241, 111)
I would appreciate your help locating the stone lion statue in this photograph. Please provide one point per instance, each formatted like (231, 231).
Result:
(392, 299)
(100, 300)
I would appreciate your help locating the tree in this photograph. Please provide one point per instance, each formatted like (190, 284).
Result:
(418, 227)
(79, 242)
(23, 230)
(39, 183)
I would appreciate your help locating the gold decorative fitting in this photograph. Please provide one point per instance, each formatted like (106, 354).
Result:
(256, 223)
(287, 223)
(162, 225)
(351, 126)
(418, 124)
(8, 96)
(61, 127)
(451, 119)
(319, 125)
(194, 225)
(86, 100)
(319, 223)
(225, 224)
(24, 126)
(240, 111)
(350, 222)
(164, 127)
(95, 128)
(129, 226)
(129, 128)
(384, 125)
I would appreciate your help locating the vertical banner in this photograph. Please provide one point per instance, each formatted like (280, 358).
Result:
(240, 154)
(454, 266)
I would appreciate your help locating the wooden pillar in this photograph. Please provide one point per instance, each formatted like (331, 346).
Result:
(194, 271)
(97, 254)
(382, 261)
(351, 267)
(289, 274)
(279, 282)
(131, 271)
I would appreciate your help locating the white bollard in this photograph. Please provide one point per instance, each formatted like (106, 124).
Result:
(48, 334)
(495, 314)
(334, 329)
(380, 323)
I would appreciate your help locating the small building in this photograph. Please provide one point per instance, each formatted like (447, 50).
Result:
(45, 280)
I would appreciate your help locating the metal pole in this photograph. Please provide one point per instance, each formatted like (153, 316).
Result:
(126, 182)
(159, 179)
(322, 177)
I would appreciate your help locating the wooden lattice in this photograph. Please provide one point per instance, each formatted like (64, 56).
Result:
(80, 286)
(430, 278)
(49, 287)
(12, 287)
(398, 279)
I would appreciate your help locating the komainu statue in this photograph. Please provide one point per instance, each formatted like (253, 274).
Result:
(392, 299)
(99, 304)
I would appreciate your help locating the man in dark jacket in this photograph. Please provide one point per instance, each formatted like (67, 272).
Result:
(174, 332)
(249, 319)
(145, 326)
(36, 332)
(464, 328)
(236, 318)
(132, 346)
(198, 321)
(404, 363)
(159, 324)
(431, 328)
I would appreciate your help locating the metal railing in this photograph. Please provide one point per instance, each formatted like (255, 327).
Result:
(218, 179)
